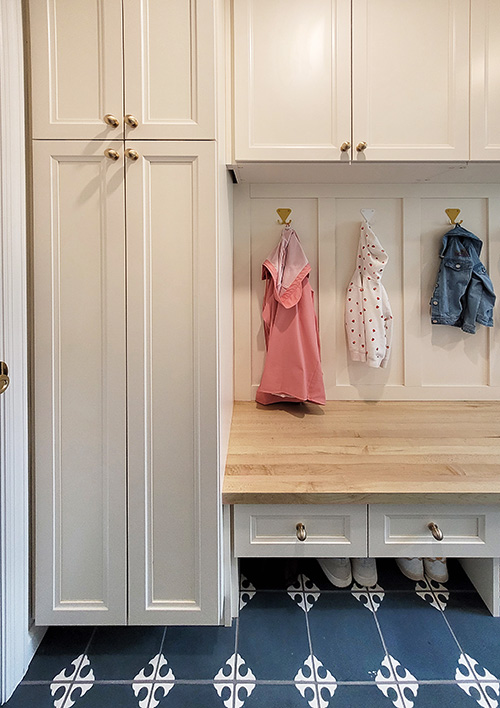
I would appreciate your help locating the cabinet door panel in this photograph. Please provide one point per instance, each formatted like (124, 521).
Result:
(292, 79)
(76, 68)
(79, 380)
(173, 505)
(485, 80)
(170, 68)
(411, 79)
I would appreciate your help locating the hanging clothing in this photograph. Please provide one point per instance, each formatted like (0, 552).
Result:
(368, 316)
(292, 369)
(463, 294)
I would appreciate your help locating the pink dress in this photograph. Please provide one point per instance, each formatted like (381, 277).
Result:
(292, 370)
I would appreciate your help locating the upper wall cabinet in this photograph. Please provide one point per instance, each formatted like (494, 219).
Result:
(148, 77)
(409, 86)
(485, 80)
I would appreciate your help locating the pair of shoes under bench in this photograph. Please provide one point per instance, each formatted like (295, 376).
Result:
(340, 571)
(416, 568)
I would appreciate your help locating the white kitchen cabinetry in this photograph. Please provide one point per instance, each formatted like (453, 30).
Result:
(156, 67)
(409, 85)
(485, 81)
(88, 509)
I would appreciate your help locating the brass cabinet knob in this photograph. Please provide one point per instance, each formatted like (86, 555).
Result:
(132, 154)
(435, 531)
(345, 146)
(112, 154)
(131, 120)
(4, 377)
(111, 120)
(361, 146)
(301, 532)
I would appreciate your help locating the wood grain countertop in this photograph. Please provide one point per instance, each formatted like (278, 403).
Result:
(364, 452)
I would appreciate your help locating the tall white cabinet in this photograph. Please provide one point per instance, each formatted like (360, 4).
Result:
(125, 271)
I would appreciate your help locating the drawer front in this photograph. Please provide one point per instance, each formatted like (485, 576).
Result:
(403, 531)
(271, 530)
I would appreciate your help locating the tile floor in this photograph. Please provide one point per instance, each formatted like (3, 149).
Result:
(298, 642)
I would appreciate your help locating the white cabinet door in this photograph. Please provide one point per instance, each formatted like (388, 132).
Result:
(292, 84)
(79, 379)
(411, 79)
(170, 69)
(76, 68)
(485, 80)
(172, 384)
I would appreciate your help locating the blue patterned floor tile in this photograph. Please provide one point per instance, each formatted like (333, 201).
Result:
(282, 696)
(417, 636)
(198, 652)
(104, 696)
(193, 696)
(31, 697)
(477, 632)
(344, 637)
(59, 647)
(352, 696)
(448, 696)
(272, 637)
(121, 652)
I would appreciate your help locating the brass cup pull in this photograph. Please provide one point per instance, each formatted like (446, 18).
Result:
(132, 154)
(435, 531)
(131, 120)
(111, 120)
(301, 532)
(4, 377)
(361, 146)
(345, 146)
(112, 154)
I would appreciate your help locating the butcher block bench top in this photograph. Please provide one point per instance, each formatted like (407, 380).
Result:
(364, 452)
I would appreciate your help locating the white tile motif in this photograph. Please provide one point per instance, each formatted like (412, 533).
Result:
(487, 681)
(311, 683)
(371, 600)
(74, 681)
(436, 595)
(156, 679)
(234, 679)
(304, 592)
(403, 682)
(247, 591)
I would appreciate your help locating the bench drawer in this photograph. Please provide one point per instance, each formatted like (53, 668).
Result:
(403, 531)
(327, 530)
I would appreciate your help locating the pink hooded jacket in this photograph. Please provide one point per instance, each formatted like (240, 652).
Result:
(292, 370)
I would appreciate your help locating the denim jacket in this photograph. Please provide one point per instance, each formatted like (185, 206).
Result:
(463, 294)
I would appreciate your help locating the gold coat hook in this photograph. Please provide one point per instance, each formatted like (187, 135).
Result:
(283, 215)
(452, 215)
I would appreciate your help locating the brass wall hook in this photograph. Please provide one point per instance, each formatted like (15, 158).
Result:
(283, 215)
(452, 215)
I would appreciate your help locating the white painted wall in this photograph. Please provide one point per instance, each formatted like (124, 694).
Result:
(428, 362)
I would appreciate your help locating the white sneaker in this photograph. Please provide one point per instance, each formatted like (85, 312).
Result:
(413, 568)
(436, 569)
(364, 571)
(337, 570)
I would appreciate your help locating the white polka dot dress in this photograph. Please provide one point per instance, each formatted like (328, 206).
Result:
(368, 316)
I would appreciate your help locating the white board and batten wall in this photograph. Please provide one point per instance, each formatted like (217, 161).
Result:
(428, 362)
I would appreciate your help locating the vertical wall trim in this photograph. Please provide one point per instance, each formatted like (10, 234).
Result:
(17, 645)
(412, 295)
(243, 292)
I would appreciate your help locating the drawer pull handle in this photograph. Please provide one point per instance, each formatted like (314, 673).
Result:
(435, 531)
(301, 532)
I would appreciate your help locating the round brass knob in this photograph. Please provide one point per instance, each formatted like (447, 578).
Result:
(345, 146)
(301, 532)
(361, 146)
(435, 531)
(111, 120)
(131, 120)
(132, 154)
(112, 154)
